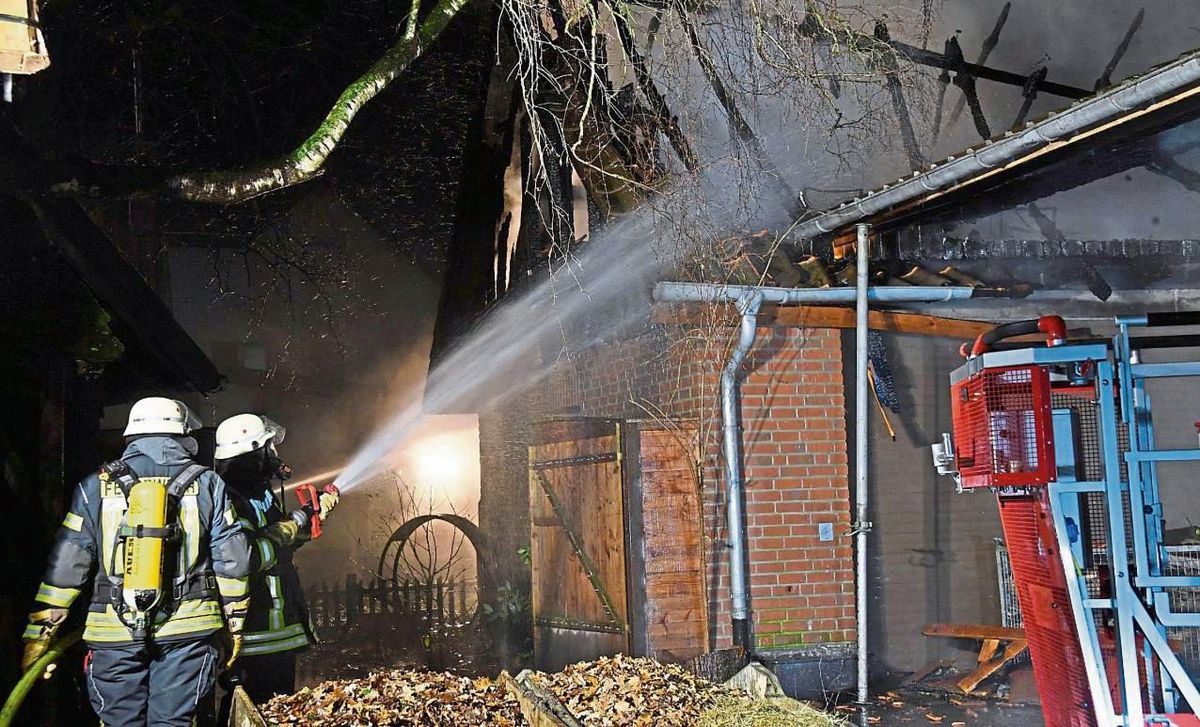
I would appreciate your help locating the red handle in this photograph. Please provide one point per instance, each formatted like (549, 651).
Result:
(307, 493)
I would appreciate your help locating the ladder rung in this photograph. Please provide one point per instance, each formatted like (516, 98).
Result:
(1164, 370)
(1164, 455)
(1167, 581)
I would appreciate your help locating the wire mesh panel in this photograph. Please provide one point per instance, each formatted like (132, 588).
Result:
(1089, 467)
(1184, 560)
(1002, 428)
(1010, 607)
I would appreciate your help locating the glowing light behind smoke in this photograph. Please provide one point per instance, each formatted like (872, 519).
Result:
(440, 460)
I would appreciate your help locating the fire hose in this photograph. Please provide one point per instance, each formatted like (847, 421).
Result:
(17, 696)
(1053, 327)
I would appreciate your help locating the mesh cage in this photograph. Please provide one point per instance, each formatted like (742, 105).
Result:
(1089, 466)
(1184, 560)
(1002, 428)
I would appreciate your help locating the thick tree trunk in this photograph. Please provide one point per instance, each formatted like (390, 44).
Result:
(307, 160)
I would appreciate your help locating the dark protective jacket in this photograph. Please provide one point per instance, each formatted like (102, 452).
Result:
(278, 620)
(212, 556)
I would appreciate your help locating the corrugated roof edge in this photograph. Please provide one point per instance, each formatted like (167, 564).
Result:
(1132, 93)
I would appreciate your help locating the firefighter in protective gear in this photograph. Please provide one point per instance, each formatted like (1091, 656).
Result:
(156, 617)
(277, 626)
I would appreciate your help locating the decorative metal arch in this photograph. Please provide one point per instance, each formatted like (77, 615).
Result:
(484, 565)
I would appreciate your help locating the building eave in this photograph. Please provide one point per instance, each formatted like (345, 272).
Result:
(1162, 92)
(116, 285)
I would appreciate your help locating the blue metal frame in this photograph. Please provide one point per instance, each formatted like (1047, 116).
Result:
(1082, 608)
(1120, 380)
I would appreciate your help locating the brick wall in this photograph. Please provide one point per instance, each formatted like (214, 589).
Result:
(793, 411)
(504, 490)
(802, 589)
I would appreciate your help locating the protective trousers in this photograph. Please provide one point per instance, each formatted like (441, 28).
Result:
(268, 675)
(163, 685)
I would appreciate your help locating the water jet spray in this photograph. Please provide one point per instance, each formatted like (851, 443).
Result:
(322, 477)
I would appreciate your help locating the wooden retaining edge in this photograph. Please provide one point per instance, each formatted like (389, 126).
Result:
(243, 713)
(539, 707)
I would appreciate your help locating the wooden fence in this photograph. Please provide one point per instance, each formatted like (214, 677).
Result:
(430, 604)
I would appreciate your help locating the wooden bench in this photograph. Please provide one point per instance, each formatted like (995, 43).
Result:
(991, 657)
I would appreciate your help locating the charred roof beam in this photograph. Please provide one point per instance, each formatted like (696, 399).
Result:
(989, 44)
(934, 59)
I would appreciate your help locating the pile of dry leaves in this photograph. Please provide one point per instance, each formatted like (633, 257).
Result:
(621, 690)
(614, 691)
(398, 698)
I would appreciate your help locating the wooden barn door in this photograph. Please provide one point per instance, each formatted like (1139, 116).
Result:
(577, 547)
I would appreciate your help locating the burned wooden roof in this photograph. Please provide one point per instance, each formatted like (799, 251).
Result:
(1102, 132)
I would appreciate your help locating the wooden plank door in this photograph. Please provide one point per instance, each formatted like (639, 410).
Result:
(577, 542)
(668, 602)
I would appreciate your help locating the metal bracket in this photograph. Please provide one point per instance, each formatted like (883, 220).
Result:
(562, 622)
(575, 461)
(859, 527)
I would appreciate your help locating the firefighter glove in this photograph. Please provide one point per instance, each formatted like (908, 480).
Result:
(283, 533)
(235, 621)
(46, 624)
(235, 650)
(328, 500)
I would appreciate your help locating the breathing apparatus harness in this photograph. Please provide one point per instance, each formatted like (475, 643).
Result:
(148, 535)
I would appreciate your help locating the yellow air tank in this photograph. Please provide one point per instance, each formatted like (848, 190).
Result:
(143, 573)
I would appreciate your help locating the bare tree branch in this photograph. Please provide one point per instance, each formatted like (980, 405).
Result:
(307, 160)
(658, 104)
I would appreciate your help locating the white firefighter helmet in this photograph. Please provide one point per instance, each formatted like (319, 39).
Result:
(157, 415)
(244, 433)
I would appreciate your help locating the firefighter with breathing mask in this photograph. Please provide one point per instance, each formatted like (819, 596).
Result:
(156, 538)
(277, 626)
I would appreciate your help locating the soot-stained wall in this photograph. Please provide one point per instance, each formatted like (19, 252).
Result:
(932, 550)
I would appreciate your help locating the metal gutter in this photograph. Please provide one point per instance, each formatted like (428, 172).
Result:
(1055, 129)
(713, 293)
(1073, 305)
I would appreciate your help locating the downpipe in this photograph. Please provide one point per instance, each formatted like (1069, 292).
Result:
(731, 417)
(749, 300)
(861, 432)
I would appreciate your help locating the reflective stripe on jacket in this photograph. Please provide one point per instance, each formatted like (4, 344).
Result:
(278, 620)
(213, 549)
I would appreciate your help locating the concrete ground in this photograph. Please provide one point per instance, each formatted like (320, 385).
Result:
(916, 708)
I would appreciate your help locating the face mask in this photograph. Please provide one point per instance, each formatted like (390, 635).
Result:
(276, 465)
